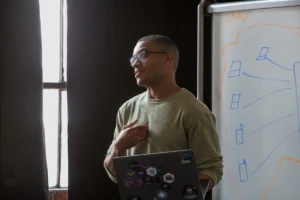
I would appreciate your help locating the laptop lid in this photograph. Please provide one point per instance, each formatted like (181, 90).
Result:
(158, 176)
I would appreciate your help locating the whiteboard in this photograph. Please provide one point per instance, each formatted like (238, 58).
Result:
(256, 100)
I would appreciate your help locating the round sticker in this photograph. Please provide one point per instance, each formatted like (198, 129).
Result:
(165, 186)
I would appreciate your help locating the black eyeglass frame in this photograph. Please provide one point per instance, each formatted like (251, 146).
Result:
(143, 53)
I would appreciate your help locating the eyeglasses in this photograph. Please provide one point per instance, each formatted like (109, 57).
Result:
(142, 55)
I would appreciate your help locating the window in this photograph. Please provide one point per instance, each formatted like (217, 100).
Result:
(53, 15)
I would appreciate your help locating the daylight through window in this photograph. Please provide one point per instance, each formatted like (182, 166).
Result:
(53, 16)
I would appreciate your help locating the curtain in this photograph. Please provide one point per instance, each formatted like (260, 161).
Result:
(22, 153)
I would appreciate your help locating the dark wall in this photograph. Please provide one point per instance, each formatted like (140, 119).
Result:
(101, 37)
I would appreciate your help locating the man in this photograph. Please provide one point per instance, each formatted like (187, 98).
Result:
(165, 117)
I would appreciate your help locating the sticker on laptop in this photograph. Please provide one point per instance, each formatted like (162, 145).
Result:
(142, 173)
(161, 195)
(131, 174)
(151, 171)
(134, 165)
(165, 186)
(144, 164)
(148, 180)
(161, 170)
(138, 181)
(189, 192)
(186, 158)
(128, 183)
(169, 178)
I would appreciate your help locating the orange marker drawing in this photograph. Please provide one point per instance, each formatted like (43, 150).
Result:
(236, 16)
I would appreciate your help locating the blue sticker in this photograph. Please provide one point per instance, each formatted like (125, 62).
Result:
(186, 158)
(161, 195)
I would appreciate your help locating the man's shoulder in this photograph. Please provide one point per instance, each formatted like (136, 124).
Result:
(133, 101)
(193, 108)
(192, 102)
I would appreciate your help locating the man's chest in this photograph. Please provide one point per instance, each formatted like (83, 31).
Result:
(166, 126)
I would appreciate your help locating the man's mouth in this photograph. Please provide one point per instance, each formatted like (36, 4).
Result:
(136, 73)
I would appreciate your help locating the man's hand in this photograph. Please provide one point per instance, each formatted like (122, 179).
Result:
(211, 182)
(131, 136)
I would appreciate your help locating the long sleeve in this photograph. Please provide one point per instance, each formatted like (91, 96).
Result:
(118, 129)
(203, 139)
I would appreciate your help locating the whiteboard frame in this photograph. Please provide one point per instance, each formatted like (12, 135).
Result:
(200, 48)
(250, 5)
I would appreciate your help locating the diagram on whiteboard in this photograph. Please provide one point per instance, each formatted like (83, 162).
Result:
(260, 97)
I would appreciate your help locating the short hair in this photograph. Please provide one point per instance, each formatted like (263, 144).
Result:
(164, 41)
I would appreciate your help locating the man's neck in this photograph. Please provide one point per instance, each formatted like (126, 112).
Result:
(161, 92)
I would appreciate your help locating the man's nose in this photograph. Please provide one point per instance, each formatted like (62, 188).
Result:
(136, 64)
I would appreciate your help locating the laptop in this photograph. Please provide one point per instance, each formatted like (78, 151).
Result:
(159, 176)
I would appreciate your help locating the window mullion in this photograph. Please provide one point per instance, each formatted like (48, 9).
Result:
(61, 34)
(61, 41)
(59, 138)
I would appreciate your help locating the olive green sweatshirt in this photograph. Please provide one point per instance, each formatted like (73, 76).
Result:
(178, 122)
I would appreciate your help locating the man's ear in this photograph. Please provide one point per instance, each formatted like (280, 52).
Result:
(170, 58)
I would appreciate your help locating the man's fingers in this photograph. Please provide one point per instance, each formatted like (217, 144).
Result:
(140, 139)
(137, 132)
(138, 129)
(130, 125)
(140, 136)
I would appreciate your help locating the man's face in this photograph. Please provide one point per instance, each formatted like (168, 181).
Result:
(150, 68)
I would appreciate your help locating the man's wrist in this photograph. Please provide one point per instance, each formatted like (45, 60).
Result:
(118, 152)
